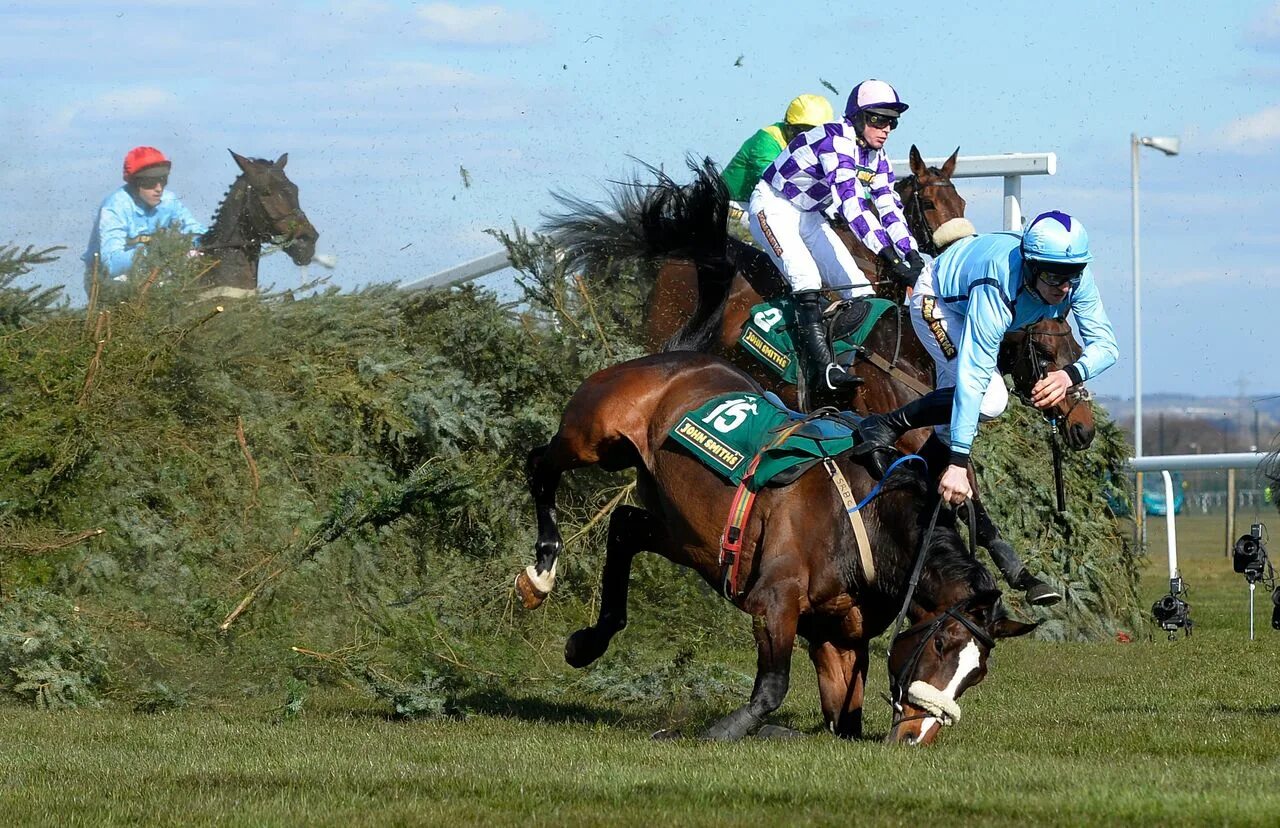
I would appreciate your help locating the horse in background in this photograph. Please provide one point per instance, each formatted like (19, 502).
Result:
(260, 207)
(805, 572)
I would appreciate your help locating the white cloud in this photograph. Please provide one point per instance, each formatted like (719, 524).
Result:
(124, 104)
(489, 25)
(1254, 133)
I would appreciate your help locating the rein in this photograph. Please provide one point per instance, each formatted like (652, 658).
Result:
(915, 205)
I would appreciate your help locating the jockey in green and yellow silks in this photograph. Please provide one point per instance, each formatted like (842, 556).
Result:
(757, 152)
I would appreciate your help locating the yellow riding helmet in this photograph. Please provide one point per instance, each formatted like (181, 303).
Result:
(810, 110)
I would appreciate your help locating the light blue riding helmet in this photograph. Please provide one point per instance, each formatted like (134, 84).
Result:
(1056, 238)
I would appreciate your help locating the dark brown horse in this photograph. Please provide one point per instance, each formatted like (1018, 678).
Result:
(260, 207)
(802, 571)
(706, 284)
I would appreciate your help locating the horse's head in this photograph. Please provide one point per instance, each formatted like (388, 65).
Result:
(1029, 354)
(933, 662)
(933, 208)
(272, 209)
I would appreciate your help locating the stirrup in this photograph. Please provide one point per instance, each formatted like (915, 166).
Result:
(843, 377)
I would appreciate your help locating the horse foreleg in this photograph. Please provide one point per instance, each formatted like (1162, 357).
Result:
(631, 530)
(543, 469)
(842, 679)
(775, 634)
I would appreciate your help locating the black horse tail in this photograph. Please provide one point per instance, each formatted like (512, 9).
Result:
(645, 223)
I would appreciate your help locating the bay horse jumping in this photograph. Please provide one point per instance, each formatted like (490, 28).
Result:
(707, 282)
(802, 571)
(261, 206)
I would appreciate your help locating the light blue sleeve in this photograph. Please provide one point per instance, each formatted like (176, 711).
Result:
(184, 221)
(1100, 348)
(113, 232)
(985, 324)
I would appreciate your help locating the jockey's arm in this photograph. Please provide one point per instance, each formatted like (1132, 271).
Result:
(889, 206)
(114, 253)
(1100, 348)
(851, 203)
(184, 221)
(986, 322)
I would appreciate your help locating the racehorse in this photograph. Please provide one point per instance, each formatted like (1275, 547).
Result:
(260, 206)
(707, 283)
(803, 570)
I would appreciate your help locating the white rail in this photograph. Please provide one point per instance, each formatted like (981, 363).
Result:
(1009, 166)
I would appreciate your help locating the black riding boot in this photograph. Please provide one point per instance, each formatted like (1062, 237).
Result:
(1018, 576)
(817, 361)
(938, 455)
(878, 433)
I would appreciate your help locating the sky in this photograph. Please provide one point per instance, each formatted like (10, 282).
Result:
(381, 104)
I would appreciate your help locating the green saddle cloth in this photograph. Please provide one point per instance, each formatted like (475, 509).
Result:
(727, 431)
(767, 334)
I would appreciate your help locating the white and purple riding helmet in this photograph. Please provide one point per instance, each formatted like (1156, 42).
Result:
(1057, 244)
(874, 96)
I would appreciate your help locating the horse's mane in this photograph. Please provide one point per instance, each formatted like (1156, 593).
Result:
(949, 559)
(229, 202)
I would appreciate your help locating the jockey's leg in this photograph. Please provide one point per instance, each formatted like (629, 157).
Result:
(780, 228)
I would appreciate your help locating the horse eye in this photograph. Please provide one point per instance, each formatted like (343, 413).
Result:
(937, 645)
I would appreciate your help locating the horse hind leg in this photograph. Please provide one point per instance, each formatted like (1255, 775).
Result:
(631, 530)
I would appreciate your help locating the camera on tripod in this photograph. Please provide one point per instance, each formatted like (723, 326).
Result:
(1173, 614)
(1249, 556)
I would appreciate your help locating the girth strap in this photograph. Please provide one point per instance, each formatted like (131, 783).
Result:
(853, 511)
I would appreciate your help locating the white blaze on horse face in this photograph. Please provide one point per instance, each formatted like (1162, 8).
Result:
(969, 659)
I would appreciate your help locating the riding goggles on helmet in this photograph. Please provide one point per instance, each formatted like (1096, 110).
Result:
(878, 121)
(1057, 274)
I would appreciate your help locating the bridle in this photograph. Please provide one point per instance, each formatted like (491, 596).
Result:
(255, 235)
(915, 211)
(1056, 417)
(900, 681)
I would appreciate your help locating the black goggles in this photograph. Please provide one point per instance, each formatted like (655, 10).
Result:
(875, 119)
(1057, 275)
(150, 182)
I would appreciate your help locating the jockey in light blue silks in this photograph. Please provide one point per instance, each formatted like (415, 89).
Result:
(834, 171)
(965, 301)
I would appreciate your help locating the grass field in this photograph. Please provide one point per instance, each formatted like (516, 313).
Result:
(1148, 732)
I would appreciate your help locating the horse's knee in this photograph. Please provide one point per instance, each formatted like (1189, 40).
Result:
(771, 693)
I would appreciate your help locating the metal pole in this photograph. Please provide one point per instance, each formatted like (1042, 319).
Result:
(1170, 527)
(1137, 307)
(1231, 512)
(1013, 202)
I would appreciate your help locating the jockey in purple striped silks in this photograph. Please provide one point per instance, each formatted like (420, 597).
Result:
(836, 170)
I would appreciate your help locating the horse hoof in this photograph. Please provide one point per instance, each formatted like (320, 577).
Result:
(583, 647)
(530, 595)
(778, 732)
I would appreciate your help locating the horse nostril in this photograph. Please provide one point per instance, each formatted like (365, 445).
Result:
(1081, 435)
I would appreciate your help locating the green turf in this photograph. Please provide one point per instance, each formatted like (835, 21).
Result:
(1148, 732)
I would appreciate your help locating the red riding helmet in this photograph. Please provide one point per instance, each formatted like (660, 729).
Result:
(144, 158)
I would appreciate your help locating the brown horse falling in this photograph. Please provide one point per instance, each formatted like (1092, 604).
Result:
(802, 573)
(707, 282)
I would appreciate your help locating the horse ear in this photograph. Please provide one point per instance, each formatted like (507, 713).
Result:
(241, 162)
(1007, 627)
(918, 167)
(281, 161)
(950, 166)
